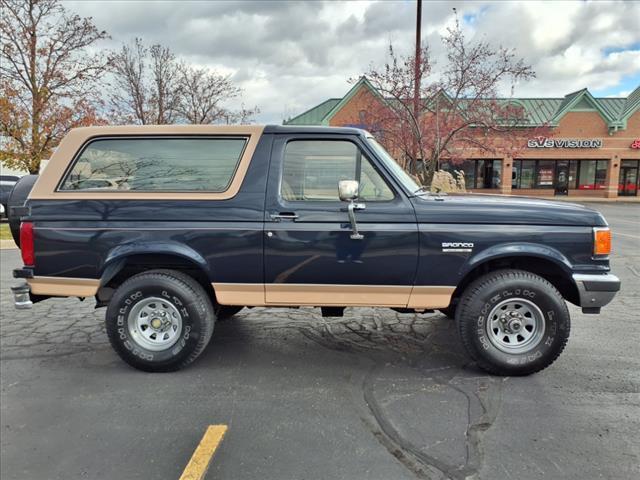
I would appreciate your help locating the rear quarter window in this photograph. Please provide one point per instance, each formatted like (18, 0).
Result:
(156, 164)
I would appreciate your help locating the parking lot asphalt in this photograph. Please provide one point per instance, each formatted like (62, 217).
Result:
(373, 395)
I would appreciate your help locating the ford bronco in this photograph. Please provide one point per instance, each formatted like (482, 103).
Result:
(174, 227)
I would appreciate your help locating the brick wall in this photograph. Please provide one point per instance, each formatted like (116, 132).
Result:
(577, 124)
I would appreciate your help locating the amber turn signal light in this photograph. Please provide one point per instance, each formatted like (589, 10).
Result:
(601, 241)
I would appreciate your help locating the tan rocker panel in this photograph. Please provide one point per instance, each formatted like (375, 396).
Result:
(64, 286)
(282, 294)
(45, 186)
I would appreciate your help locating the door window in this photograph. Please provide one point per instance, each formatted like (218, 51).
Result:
(313, 168)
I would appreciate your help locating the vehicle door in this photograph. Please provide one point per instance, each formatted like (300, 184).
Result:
(312, 254)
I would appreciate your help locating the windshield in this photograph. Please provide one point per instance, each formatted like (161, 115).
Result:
(395, 168)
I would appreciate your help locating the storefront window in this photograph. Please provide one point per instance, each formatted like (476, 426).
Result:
(478, 173)
(587, 175)
(496, 173)
(628, 179)
(469, 169)
(522, 176)
(601, 174)
(583, 174)
(573, 173)
(527, 173)
(546, 172)
(481, 174)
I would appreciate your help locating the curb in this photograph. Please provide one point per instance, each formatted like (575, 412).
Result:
(7, 244)
(630, 200)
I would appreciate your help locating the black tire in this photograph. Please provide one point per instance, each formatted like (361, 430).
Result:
(17, 197)
(449, 312)
(225, 312)
(512, 289)
(180, 292)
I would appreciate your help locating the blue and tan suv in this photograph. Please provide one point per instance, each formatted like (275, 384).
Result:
(173, 227)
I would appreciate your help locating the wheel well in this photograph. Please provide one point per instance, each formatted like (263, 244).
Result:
(138, 263)
(544, 268)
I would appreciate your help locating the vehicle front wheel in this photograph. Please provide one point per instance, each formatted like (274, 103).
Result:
(513, 322)
(160, 320)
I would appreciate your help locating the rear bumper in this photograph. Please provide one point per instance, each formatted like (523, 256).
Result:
(22, 296)
(596, 290)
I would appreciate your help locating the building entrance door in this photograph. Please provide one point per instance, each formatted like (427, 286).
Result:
(562, 177)
(628, 183)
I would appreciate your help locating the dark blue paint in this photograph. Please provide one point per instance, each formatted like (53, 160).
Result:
(316, 248)
(228, 239)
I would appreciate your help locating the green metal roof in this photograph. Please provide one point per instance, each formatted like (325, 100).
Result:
(631, 104)
(538, 111)
(314, 115)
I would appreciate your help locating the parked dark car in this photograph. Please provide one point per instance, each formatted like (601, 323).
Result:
(206, 220)
(6, 185)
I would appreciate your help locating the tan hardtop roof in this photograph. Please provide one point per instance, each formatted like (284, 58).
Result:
(166, 129)
(45, 186)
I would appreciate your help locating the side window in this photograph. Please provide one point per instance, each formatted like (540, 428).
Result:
(156, 164)
(313, 168)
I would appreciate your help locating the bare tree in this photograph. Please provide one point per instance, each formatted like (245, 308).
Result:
(130, 96)
(46, 78)
(150, 86)
(459, 109)
(202, 95)
(146, 84)
(165, 98)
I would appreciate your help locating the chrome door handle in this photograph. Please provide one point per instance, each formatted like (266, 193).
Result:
(284, 216)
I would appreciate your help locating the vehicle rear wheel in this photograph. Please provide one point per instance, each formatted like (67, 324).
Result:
(160, 320)
(450, 311)
(225, 312)
(513, 322)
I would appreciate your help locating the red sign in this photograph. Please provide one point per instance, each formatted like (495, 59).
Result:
(636, 144)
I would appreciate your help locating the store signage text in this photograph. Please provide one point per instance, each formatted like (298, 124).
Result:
(544, 142)
(636, 144)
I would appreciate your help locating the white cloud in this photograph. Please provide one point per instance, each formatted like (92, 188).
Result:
(289, 56)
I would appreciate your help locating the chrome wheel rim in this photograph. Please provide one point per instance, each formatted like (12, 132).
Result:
(515, 325)
(154, 323)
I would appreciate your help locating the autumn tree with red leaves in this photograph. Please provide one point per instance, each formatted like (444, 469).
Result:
(458, 108)
(47, 78)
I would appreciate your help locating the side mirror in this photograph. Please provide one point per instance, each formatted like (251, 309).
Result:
(348, 190)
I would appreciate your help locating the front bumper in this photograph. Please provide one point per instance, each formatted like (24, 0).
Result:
(596, 290)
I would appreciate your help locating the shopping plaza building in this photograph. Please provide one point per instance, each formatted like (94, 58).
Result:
(591, 146)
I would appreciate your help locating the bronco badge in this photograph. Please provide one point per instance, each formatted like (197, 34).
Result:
(457, 246)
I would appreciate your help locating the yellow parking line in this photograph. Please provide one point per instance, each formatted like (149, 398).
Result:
(201, 458)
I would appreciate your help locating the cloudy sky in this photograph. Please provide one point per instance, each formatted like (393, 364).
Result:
(288, 56)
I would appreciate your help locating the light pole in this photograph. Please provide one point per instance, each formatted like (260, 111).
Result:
(416, 79)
